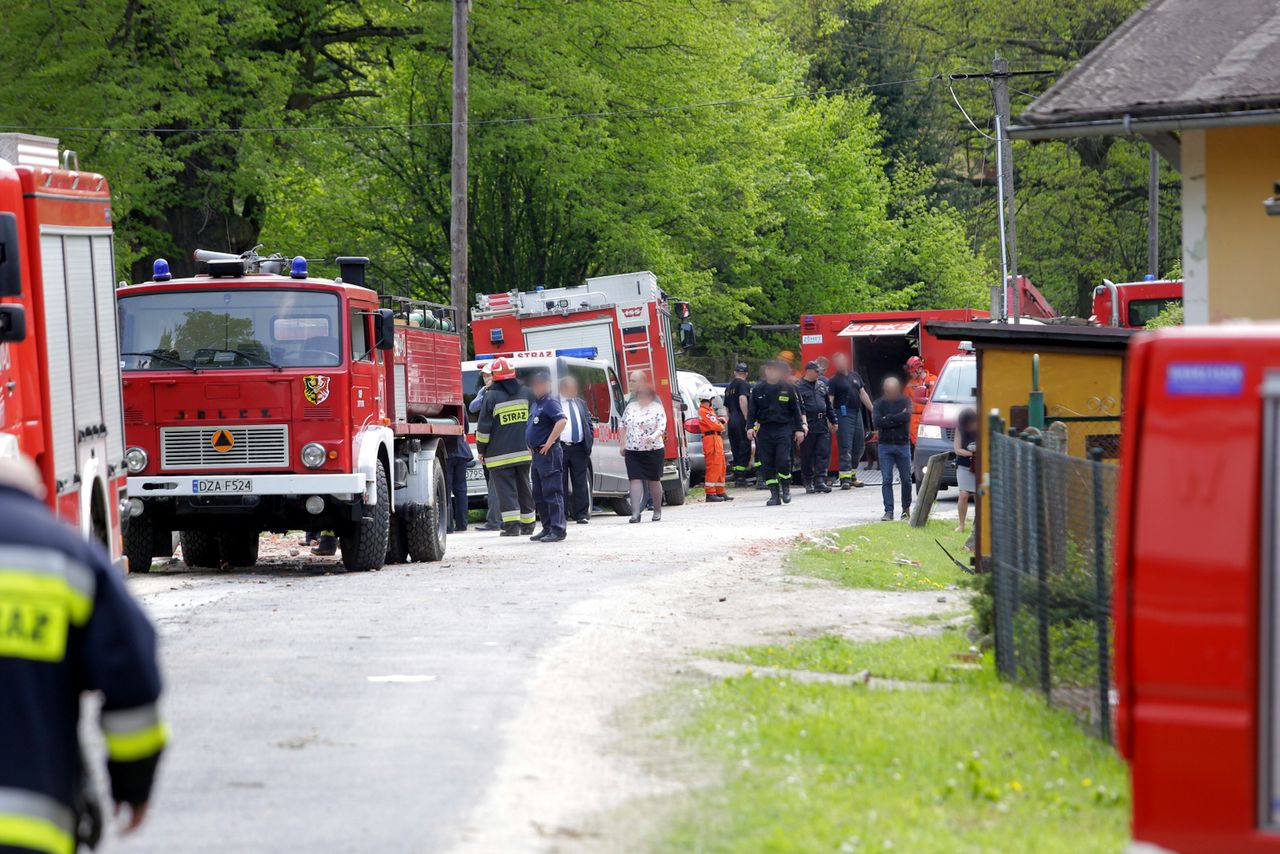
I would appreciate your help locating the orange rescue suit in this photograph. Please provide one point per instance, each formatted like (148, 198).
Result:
(712, 447)
(914, 384)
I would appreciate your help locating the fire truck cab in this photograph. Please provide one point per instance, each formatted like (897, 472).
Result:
(59, 380)
(260, 398)
(1132, 304)
(629, 321)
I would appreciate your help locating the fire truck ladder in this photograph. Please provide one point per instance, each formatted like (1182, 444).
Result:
(637, 354)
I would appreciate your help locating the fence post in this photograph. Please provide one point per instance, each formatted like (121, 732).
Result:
(1103, 594)
(1033, 552)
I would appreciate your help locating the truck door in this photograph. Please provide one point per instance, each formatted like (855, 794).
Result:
(609, 475)
(364, 381)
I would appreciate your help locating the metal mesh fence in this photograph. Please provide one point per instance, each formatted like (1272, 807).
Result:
(1052, 522)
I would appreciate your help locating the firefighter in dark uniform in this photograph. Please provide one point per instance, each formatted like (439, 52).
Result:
(500, 442)
(736, 395)
(777, 425)
(547, 421)
(815, 453)
(67, 625)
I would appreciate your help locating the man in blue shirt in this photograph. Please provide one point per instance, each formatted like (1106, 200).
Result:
(546, 422)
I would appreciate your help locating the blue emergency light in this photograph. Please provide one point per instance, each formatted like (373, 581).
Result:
(496, 336)
(298, 269)
(1149, 277)
(160, 271)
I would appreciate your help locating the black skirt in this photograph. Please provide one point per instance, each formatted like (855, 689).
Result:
(645, 465)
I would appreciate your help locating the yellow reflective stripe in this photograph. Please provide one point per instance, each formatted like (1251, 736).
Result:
(38, 834)
(20, 584)
(511, 404)
(482, 437)
(528, 519)
(131, 746)
(511, 516)
(508, 459)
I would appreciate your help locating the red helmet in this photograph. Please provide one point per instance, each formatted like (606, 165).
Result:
(502, 370)
(915, 363)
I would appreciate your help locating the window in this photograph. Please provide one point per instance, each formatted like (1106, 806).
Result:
(360, 336)
(217, 329)
(593, 388)
(1143, 311)
(958, 383)
(619, 400)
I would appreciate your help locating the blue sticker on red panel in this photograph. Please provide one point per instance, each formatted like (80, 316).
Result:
(1204, 379)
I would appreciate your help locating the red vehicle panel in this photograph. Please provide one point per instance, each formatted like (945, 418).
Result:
(60, 400)
(1138, 302)
(1194, 589)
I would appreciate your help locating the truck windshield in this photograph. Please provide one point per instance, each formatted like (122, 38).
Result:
(212, 330)
(958, 382)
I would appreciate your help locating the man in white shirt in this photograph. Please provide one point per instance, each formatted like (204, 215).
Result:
(577, 439)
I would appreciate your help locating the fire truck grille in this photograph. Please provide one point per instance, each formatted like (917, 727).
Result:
(253, 446)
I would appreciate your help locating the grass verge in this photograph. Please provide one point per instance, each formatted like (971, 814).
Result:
(887, 556)
(909, 658)
(978, 766)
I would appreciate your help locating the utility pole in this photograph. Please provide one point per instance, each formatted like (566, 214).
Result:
(1000, 84)
(1153, 214)
(458, 173)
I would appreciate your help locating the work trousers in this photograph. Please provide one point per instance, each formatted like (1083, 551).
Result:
(514, 493)
(852, 439)
(548, 488)
(456, 469)
(739, 444)
(492, 513)
(815, 453)
(773, 452)
(577, 480)
(895, 457)
(713, 450)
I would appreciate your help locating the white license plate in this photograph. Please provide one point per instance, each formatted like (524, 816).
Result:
(221, 485)
(475, 473)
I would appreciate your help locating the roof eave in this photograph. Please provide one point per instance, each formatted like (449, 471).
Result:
(1128, 124)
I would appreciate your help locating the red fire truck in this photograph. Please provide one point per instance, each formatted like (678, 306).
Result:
(629, 321)
(1132, 304)
(259, 398)
(59, 379)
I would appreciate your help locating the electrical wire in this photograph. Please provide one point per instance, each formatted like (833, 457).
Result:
(637, 111)
(964, 113)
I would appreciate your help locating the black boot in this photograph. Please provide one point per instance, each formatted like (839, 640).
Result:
(528, 529)
(786, 492)
(822, 485)
(511, 529)
(775, 496)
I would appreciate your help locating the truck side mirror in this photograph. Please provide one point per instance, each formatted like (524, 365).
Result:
(687, 337)
(10, 266)
(384, 329)
(13, 324)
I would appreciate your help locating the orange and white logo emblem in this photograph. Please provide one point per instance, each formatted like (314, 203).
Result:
(222, 441)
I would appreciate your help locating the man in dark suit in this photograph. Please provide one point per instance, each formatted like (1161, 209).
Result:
(578, 437)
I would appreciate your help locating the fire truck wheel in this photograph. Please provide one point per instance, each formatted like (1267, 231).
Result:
(426, 526)
(200, 549)
(673, 493)
(139, 537)
(364, 545)
(397, 543)
(238, 548)
(620, 506)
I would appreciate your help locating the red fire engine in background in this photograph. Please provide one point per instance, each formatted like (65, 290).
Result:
(260, 398)
(1132, 304)
(59, 374)
(629, 321)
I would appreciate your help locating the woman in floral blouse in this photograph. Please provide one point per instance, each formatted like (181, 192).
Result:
(644, 439)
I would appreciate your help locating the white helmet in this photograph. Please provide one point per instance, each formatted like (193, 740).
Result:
(707, 393)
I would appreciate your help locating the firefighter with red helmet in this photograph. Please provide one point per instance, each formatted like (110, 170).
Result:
(918, 389)
(502, 447)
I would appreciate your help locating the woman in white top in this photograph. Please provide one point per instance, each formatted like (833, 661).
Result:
(644, 441)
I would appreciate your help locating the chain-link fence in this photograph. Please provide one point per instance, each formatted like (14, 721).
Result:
(1052, 524)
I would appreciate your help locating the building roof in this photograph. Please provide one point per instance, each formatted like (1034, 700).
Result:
(1175, 64)
(1034, 335)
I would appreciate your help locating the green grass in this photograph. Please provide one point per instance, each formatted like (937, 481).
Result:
(979, 766)
(887, 556)
(910, 658)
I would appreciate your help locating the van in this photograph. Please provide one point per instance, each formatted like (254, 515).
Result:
(599, 389)
(955, 391)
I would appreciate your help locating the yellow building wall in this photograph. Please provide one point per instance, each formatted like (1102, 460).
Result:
(1241, 166)
(1084, 384)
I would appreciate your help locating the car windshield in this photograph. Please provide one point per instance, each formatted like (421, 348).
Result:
(958, 382)
(213, 330)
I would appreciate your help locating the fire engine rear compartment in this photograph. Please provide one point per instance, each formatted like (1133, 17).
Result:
(882, 356)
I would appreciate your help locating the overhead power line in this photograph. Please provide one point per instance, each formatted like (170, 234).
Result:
(601, 114)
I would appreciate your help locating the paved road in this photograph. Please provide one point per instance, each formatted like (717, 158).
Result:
(318, 711)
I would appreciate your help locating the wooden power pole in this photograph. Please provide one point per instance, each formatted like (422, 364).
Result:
(458, 172)
(1153, 213)
(1000, 83)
